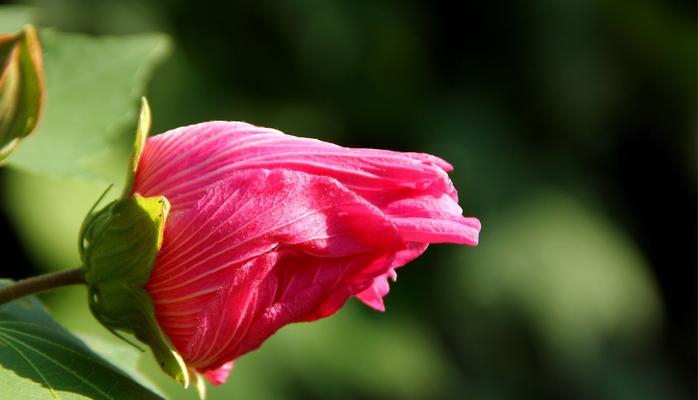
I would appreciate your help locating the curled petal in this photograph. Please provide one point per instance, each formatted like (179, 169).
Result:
(373, 295)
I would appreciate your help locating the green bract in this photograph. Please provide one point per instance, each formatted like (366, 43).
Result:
(118, 247)
(21, 87)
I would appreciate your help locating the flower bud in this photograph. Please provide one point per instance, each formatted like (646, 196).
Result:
(21, 87)
(267, 229)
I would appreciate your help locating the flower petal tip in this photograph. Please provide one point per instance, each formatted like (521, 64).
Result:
(220, 375)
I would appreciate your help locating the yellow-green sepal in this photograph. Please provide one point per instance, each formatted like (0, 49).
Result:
(21, 87)
(142, 132)
(118, 246)
(199, 383)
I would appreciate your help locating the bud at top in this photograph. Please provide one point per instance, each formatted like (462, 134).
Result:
(21, 87)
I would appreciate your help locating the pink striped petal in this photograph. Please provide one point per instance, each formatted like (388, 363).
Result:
(267, 229)
(262, 241)
(182, 165)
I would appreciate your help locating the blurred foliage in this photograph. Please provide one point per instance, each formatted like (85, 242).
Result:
(567, 270)
(92, 84)
(572, 128)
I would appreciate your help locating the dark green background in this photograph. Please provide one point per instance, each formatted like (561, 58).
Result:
(572, 129)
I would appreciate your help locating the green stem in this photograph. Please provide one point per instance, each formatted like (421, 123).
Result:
(40, 283)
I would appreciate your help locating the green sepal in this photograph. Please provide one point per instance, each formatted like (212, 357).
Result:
(118, 246)
(142, 132)
(21, 87)
(199, 383)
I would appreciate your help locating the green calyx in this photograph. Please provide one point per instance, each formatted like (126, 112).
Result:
(118, 246)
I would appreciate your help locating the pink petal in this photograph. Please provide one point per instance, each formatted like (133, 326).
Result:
(267, 229)
(297, 290)
(412, 188)
(273, 246)
(373, 295)
(220, 375)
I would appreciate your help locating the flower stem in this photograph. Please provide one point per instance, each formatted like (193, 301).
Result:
(40, 283)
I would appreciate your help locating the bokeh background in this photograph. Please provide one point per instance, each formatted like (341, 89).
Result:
(572, 129)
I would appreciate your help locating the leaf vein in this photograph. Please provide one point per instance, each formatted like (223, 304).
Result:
(59, 364)
(31, 364)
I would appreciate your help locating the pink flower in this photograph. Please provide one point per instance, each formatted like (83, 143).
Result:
(266, 229)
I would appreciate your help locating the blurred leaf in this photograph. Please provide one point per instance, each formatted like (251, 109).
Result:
(92, 86)
(384, 355)
(569, 271)
(355, 351)
(40, 359)
(50, 236)
(13, 17)
(21, 87)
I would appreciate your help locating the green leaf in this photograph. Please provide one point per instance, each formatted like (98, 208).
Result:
(13, 17)
(41, 360)
(92, 86)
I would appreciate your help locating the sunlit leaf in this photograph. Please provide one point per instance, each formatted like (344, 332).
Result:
(13, 17)
(92, 85)
(41, 360)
